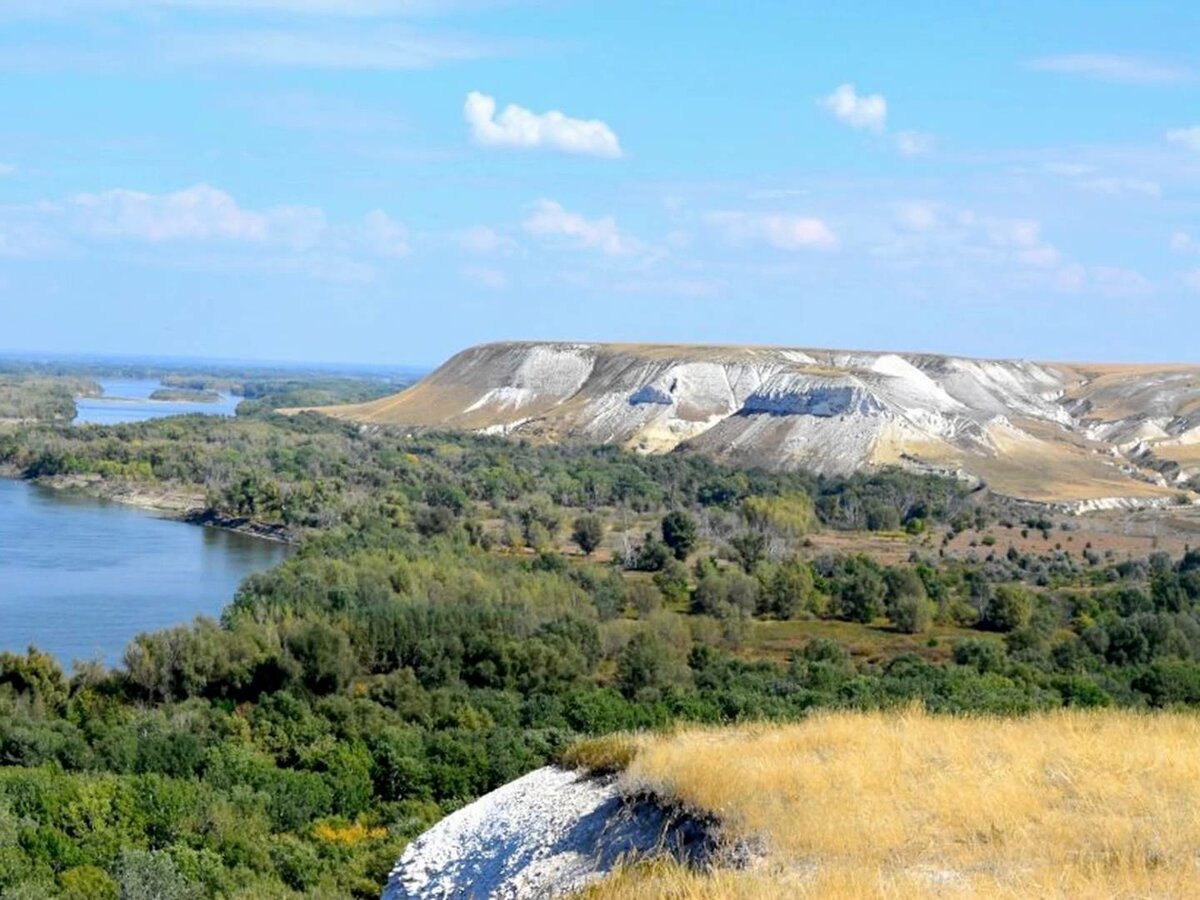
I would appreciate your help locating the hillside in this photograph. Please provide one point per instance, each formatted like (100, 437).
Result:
(1083, 435)
(861, 805)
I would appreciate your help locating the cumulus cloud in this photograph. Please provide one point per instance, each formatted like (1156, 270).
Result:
(517, 127)
(867, 111)
(1186, 137)
(778, 230)
(549, 219)
(1113, 67)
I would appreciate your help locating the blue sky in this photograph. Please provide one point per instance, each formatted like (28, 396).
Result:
(387, 181)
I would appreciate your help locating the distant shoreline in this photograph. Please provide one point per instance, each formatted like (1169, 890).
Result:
(166, 502)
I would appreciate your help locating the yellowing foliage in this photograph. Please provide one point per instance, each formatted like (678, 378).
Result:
(1066, 804)
(347, 835)
(790, 514)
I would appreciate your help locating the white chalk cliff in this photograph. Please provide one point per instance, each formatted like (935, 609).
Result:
(1089, 435)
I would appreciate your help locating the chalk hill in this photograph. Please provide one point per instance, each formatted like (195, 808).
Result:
(1084, 435)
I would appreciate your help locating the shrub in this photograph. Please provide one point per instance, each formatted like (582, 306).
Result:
(588, 532)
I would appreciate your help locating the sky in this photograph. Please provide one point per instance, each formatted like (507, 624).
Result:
(389, 181)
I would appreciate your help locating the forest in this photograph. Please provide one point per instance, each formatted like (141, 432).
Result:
(460, 609)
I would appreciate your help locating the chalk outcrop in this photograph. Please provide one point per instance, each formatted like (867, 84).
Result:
(546, 834)
(1064, 433)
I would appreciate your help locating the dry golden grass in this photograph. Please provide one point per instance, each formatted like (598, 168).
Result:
(898, 805)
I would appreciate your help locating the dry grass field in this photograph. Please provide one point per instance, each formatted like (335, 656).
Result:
(849, 805)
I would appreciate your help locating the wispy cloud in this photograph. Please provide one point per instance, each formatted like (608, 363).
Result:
(484, 276)
(517, 127)
(1186, 137)
(483, 240)
(914, 143)
(1093, 179)
(550, 220)
(197, 213)
(1113, 67)
(379, 49)
(203, 227)
(316, 8)
(1182, 242)
(858, 111)
(778, 230)
(384, 235)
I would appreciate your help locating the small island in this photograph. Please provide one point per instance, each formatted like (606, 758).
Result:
(185, 395)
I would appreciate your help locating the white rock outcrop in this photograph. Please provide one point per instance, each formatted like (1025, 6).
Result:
(546, 834)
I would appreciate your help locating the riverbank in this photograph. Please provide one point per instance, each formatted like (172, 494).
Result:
(173, 502)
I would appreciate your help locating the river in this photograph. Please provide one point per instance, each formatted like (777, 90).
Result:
(128, 400)
(79, 577)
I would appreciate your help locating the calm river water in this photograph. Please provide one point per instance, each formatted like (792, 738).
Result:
(79, 577)
(128, 400)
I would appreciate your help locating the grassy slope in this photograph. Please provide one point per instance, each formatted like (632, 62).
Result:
(885, 805)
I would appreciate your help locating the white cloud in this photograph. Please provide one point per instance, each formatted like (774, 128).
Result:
(1182, 242)
(917, 216)
(1090, 178)
(778, 230)
(485, 277)
(197, 213)
(550, 219)
(1022, 238)
(1115, 281)
(1113, 67)
(378, 49)
(484, 241)
(331, 8)
(1186, 137)
(914, 143)
(867, 111)
(384, 235)
(518, 127)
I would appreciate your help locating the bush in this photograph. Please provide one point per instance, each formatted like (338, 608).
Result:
(87, 883)
(1010, 607)
(912, 615)
(588, 532)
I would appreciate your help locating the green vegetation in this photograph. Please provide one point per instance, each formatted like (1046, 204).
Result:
(42, 398)
(185, 395)
(461, 609)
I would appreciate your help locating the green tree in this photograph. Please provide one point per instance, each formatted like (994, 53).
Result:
(908, 605)
(750, 547)
(679, 533)
(1009, 607)
(861, 590)
(87, 883)
(588, 532)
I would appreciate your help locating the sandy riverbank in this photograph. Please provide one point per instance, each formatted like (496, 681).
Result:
(170, 501)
